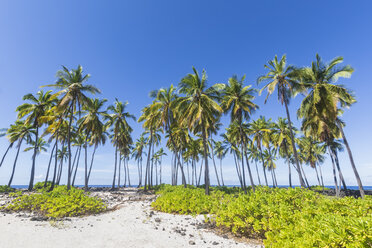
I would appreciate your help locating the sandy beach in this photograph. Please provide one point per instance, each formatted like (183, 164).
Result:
(133, 223)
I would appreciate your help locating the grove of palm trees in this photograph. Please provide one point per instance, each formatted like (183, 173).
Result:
(71, 118)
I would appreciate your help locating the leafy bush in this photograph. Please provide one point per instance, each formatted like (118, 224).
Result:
(39, 186)
(6, 188)
(281, 217)
(58, 203)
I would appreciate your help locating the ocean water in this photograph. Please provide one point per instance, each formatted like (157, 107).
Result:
(280, 186)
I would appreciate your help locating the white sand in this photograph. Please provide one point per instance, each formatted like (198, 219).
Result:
(132, 225)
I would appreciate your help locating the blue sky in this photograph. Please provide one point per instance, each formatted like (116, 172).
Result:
(133, 47)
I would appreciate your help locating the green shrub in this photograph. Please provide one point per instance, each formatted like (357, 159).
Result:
(6, 189)
(39, 186)
(58, 203)
(281, 217)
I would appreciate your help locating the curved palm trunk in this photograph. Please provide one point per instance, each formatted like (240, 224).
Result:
(334, 172)
(148, 162)
(303, 172)
(50, 162)
(55, 164)
(223, 183)
(342, 180)
(258, 174)
(321, 175)
(69, 147)
(86, 164)
(119, 169)
(317, 175)
(263, 166)
(116, 159)
(32, 177)
(91, 162)
(129, 184)
(361, 190)
(293, 144)
(6, 152)
(237, 166)
(289, 164)
(214, 163)
(15, 163)
(76, 167)
(206, 169)
(246, 158)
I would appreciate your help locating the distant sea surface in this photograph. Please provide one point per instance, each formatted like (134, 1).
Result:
(280, 186)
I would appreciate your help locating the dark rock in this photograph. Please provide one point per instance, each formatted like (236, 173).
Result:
(39, 218)
(215, 243)
(191, 242)
(157, 220)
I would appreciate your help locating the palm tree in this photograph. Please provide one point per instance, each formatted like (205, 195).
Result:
(320, 108)
(120, 129)
(284, 79)
(160, 154)
(18, 132)
(259, 129)
(91, 123)
(282, 140)
(137, 154)
(3, 133)
(237, 99)
(73, 88)
(39, 105)
(199, 110)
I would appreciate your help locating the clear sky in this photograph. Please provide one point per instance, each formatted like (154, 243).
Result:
(133, 47)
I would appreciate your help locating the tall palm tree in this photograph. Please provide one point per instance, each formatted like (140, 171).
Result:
(91, 123)
(120, 129)
(39, 105)
(238, 99)
(3, 133)
(282, 140)
(18, 132)
(259, 130)
(137, 153)
(321, 107)
(284, 79)
(199, 110)
(73, 89)
(165, 103)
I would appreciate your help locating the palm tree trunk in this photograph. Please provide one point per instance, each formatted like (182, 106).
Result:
(50, 162)
(160, 170)
(125, 173)
(129, 184)
(334, 171)
(243, 178)
(303, 172)
(342, 180)
(69, 146)
(32, 177)
(119, 170)
(200, 172)
(293, 143)
(55, 164)
(289, 164)
(223, 183)
(249, 169)
(317, 175)
(86, 164)
(321, 176)
(263, 166)
(361, 190)
(15, 163)
(237, 166)
(206, 169)
(91, 161)
(6, 152)
(148, 162)
(258, 174)
(214, 163)
(76, 167)
(116, 159)
(60, 171)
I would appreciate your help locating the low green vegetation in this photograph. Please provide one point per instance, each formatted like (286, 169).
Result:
(58, 203)
(281, 217)
(6, 188)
